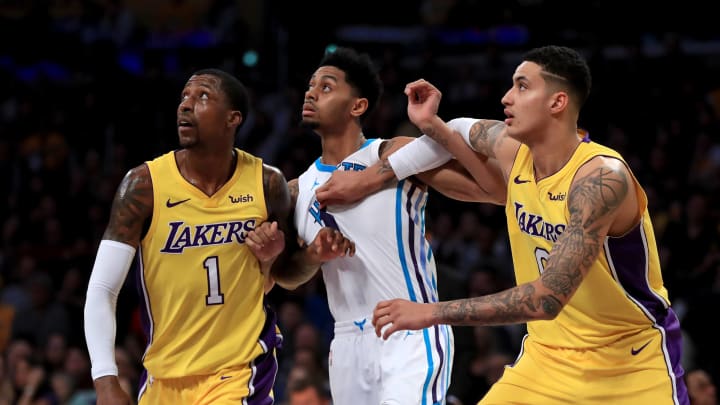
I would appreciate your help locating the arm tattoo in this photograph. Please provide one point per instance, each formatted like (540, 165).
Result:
(384, 168)
(132, 205)
(294, 189)
(510, 306)
(384, 147)
(486, 135)
(590, 200)
(435, 135)
(277, 195)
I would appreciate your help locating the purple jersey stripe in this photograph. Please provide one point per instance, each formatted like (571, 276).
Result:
(421, 284)
(628, 256)
(673, 343)
(265, 369)
(441, 362)
(145, 320)
(265, 366)
(411, 243)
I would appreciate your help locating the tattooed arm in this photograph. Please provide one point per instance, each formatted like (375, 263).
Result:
(291, 263)
(600, 202)
(450, 179)
(131, 208)
(495, 151)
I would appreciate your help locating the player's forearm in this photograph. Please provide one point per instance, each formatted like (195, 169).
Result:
(515, 305)
(295, 269)
(112, 264)
(378, 176)
(420, 155)
(453, 181)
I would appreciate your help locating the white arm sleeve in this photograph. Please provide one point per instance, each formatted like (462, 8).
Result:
(112, 263)
(423, 153)
(463, 126)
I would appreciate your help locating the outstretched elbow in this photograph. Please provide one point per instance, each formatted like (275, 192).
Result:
(550, 307)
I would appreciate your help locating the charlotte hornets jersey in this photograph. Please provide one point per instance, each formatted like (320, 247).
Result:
(392, 256)
(622, 293)
(202, 286)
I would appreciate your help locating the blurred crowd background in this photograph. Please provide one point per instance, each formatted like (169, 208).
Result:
(89, 89)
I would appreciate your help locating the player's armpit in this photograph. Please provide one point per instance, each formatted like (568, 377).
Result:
(131, 207)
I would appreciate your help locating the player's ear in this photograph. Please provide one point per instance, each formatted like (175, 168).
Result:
(360, 106)
(235, 118)
(559, 101)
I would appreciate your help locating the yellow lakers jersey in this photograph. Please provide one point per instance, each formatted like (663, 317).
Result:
(622, 293)
(202, 286)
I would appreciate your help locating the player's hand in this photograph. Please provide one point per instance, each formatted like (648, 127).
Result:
(423, 102)
(266, 241)
(330, 243)
(400, 314)
(344, 187)
(109, 392)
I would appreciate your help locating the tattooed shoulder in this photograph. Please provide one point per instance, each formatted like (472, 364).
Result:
(486, 135)
(601, 190)
(277, 195)
(385, 147)
(294, 191)
(132, 205)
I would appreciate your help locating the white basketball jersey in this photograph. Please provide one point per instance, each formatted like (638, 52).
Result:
(392, 257)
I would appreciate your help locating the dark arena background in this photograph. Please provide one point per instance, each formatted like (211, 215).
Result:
(89, 89)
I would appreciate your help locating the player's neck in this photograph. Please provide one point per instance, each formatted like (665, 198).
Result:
(337, 148)
(552, 153)
(206, 170)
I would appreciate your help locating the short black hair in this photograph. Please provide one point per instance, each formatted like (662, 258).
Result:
(567, 64)
(233, 88)
(360, 73)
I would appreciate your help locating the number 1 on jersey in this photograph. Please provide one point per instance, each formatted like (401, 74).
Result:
(214, 297)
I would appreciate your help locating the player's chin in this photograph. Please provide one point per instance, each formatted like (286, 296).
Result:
(187, 141)
(309, 123)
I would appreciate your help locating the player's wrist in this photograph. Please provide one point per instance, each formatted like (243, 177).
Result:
(106, 383)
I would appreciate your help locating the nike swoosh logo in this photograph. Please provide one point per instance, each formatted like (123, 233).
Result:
(518, 181)
(634, 351)
(171, 204)
(225, 377)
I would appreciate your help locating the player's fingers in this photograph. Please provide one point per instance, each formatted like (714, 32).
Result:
(253, 239)
(273, 231)
(389, 331)
(253, 245)
(379, 321)
(262, 228)
(349, 247)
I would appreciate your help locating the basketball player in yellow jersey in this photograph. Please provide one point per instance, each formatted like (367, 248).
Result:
(589, 285)
(187, 215)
